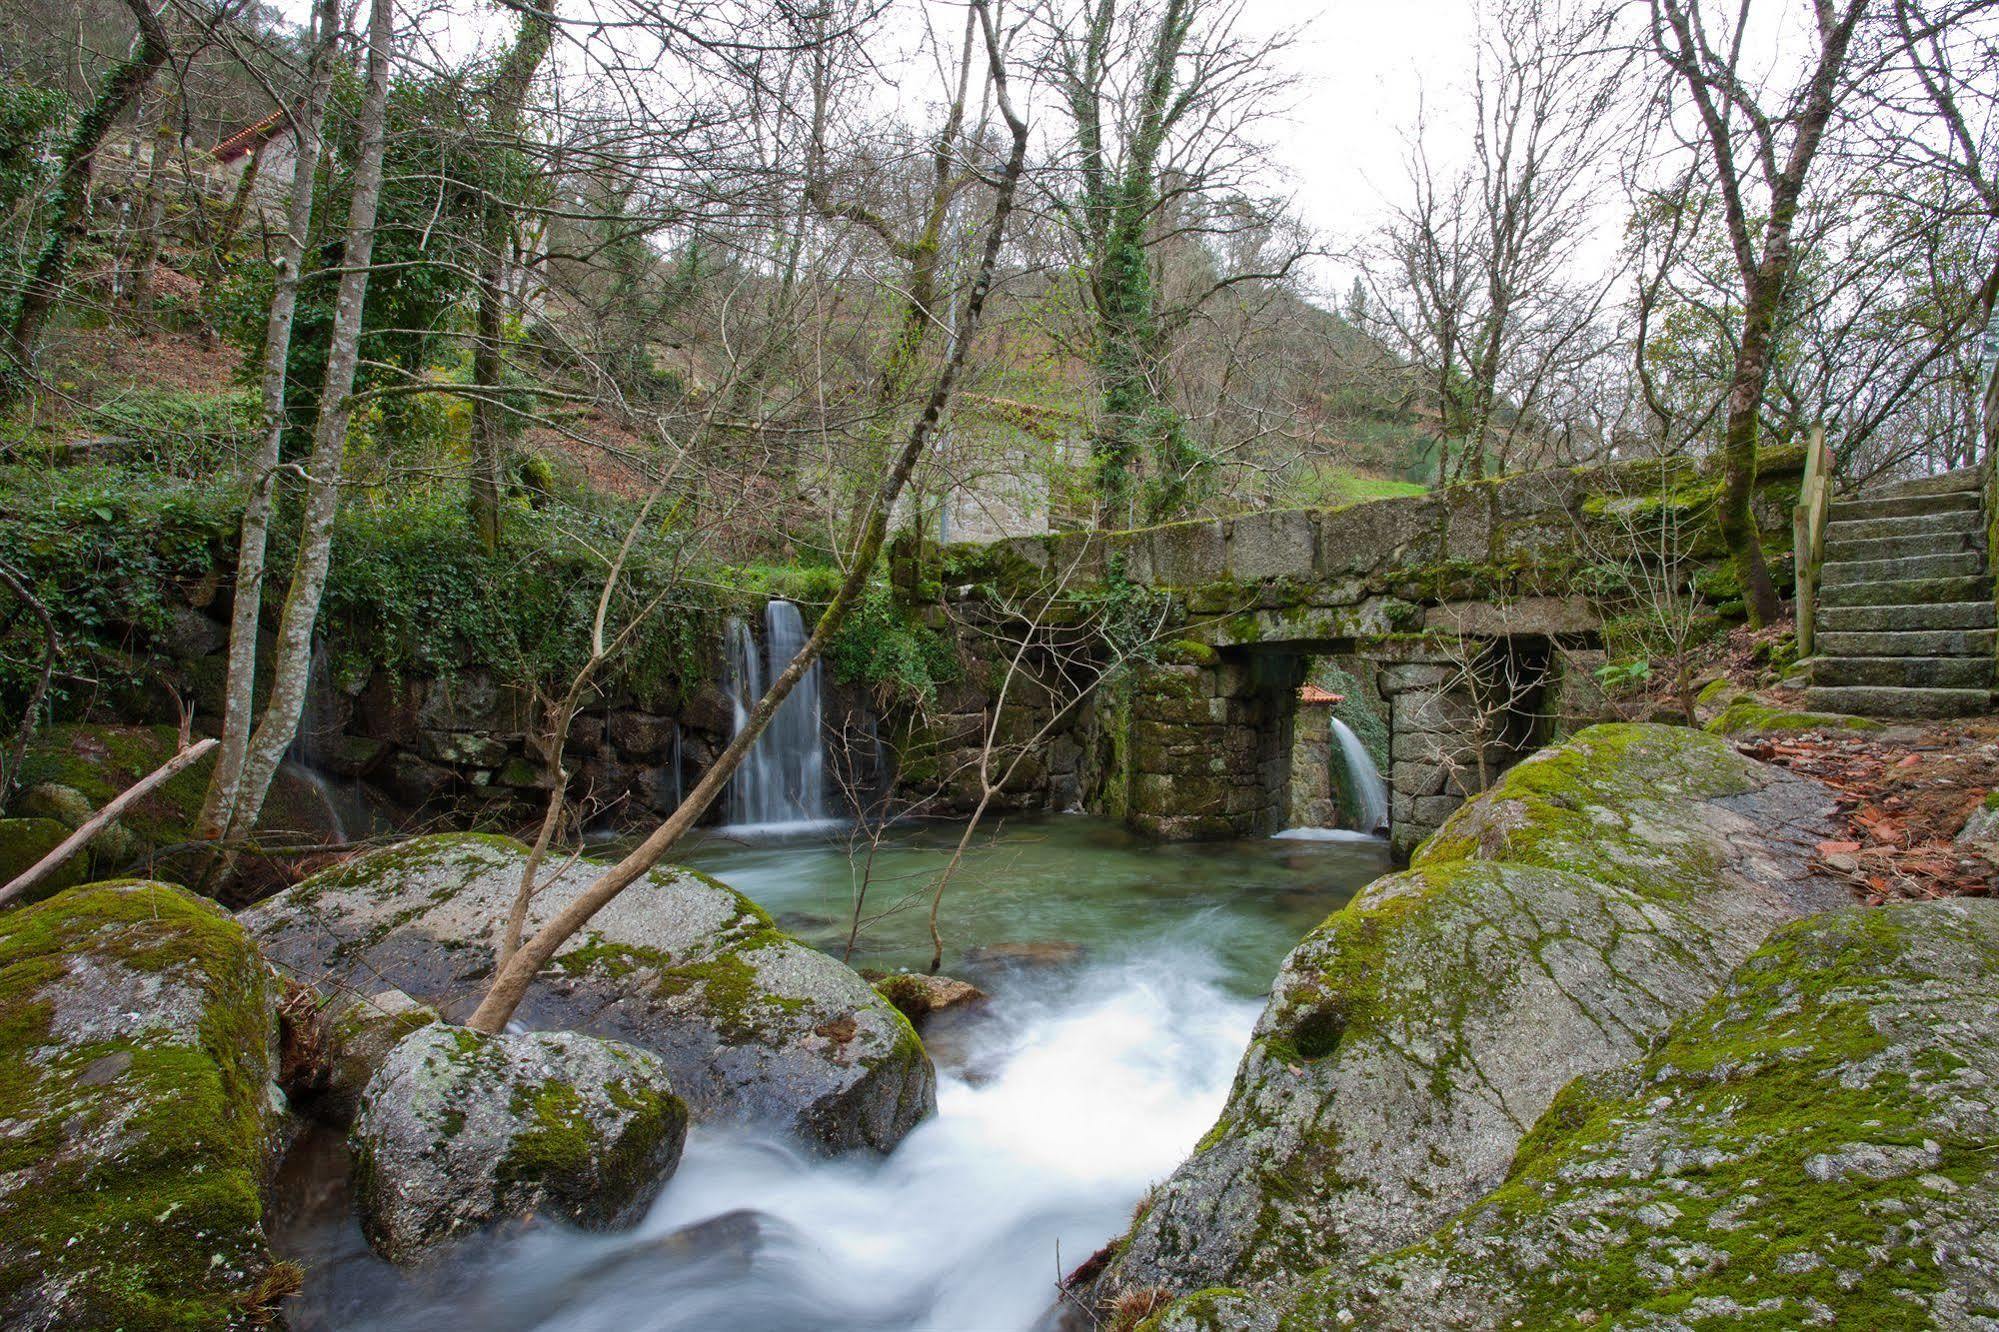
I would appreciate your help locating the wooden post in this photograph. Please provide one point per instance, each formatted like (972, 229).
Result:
(1808, 536)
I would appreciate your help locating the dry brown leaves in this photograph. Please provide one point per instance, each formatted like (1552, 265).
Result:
(1903, 796)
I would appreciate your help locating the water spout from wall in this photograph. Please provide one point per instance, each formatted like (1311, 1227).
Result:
(1365, 795)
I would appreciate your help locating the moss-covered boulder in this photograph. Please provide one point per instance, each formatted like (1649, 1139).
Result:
(1551, 928)
(1745, 715)
(753, 1026)
(459, 1129)
(1813, 1148)
(23, 843)
(137, 1027)
(72, 770)
(359, 1034)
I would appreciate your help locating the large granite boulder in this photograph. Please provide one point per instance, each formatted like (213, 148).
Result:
(459, 1129)
(1813, 1148)
(752, 1026)
(137, 1034)
(1551, 928)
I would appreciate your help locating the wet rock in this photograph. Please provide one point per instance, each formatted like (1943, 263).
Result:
(1810, 1149)
(640, 735)
(359, 1036)
(917, 996)
(1038, 953)
(458, 1130)
(1550, 929)
(749, 1022)
(137, 1027)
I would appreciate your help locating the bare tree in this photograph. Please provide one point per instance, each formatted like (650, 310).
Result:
(220, 804)
(510, 983)
(122, 85)
(1761, 144)
(292, 664)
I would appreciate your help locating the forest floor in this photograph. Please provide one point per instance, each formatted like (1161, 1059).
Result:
(1904, 792)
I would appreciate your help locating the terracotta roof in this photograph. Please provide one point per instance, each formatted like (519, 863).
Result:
(252, 137)
(1314, 694)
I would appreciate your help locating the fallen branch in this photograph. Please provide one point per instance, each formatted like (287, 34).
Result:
(97, 822)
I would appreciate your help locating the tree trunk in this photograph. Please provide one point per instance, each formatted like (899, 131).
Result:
(122, 85)
(510, 983)
(218, 810)
(1736, 514)
(292, 668)
(491, 427)
(145, 255)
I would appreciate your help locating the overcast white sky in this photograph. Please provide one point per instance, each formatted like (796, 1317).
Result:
(1364, 64)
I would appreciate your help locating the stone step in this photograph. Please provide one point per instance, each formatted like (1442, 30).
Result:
(1901, 568)
(1968, 521)
(1908, 643)
(1908, 592)
(1904, 672)
(1975, 614)
(1968, 538)
(1956, 501)
(1942, 483)
(1875, 701)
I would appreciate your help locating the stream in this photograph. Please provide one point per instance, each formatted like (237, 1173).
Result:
(1125, 977)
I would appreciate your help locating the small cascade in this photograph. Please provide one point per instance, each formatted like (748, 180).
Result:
(1365, 794)
(345, 809)
(783, 778)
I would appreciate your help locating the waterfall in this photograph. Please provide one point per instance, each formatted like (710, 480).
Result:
(1366, 795)
(344, 811)
(783, 778)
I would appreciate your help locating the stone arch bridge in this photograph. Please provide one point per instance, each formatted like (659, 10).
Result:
(1466, 626)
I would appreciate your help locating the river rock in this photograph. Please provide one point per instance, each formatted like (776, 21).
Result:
(137, 1034)
(459, 1129)
(359, 1037)
(1550, 929)
(916, 996)
(753, 1026)
(1813, 1148)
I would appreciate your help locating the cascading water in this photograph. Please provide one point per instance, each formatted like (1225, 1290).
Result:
(1363, 796)
(782, 782)
(1367, 794)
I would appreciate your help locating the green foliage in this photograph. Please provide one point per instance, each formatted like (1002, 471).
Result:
(1628, 674)
(1128, 614)
(112, 551)
(183, 433)
(1331, 487)
(29, 118)
(416, 595)
(429, 208)
(105, 551)
(884, 646)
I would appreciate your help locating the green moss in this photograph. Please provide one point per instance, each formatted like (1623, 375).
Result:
(1580, 806)
(103, 761)
(23, 843)
(1804, 1062)
(1746, 716)
(127, 1173)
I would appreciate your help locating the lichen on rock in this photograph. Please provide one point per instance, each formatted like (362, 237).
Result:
(1550, 929)
(1811, 1148)
(753, 1026)
(459, 1129)
(136, 1051)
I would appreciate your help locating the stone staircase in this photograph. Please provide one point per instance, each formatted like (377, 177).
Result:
(1905, 603)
